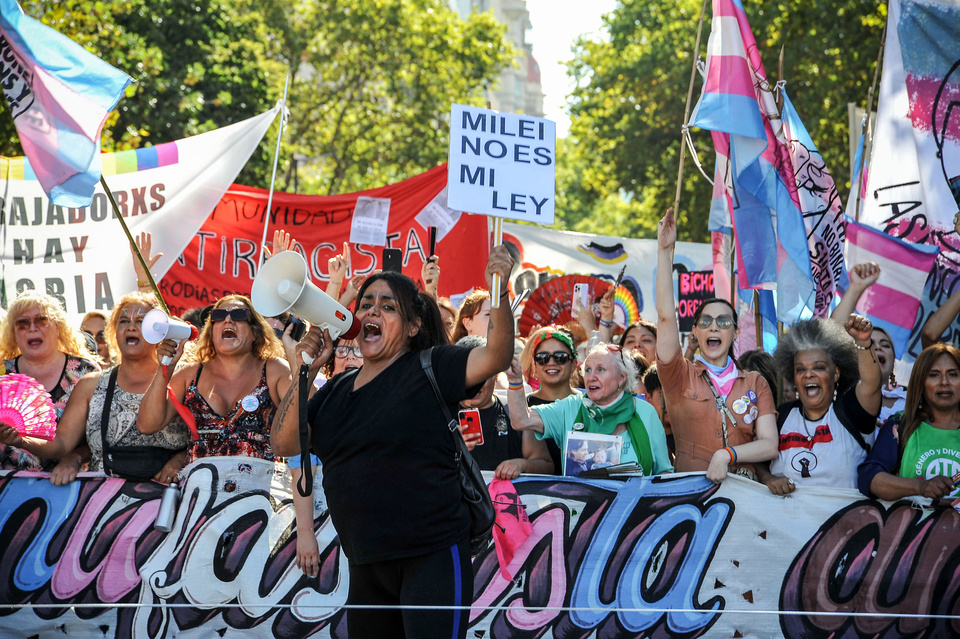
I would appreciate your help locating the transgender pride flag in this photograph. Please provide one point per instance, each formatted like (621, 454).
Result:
(893, 301)
(60, 96)
(737, 105)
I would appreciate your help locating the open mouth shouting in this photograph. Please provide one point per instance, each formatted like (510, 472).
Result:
(371, 331)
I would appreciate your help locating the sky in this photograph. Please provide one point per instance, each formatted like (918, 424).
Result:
(556, 24)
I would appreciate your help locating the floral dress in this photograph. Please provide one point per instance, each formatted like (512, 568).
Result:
(13, 458)
(245, 430)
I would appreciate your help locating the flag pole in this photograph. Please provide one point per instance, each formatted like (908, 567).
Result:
(133, 245)
(276, 159)
(866, 125)
(757, 320)
(686, 111)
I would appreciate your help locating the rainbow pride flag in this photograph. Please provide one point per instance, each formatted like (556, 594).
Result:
(60, 96)
(119, 163)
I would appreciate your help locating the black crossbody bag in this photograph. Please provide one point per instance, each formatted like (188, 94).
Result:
(473, 488)
(139, 463)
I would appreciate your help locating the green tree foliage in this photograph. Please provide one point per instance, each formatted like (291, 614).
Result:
(372, 81)
(627, 109)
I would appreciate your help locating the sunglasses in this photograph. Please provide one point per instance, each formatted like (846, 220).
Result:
(723, 321)
(236, 315)
(99, 337)
(343, 352)
(24, 323)
(614, 348)
(560, 357)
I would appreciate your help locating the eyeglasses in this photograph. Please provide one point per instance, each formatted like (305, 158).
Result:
(560, 357)
(236, 315)
(343, 352)
(24, 323)
(614, 348)
(723, 321)
(99, 337)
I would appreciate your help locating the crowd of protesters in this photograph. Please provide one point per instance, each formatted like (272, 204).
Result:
(586, 399)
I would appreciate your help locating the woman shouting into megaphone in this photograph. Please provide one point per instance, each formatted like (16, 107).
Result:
(389, 466)
(232, 389)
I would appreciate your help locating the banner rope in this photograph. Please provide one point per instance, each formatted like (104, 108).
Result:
(250, 606)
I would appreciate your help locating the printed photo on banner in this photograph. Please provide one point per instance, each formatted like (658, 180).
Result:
(502, 164)
(438, 215)
(587, 451)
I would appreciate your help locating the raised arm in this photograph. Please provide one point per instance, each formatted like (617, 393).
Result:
(521, 417)
(668, 332)
(156, 411)
(862, 276)
(494, 357)
(144, 243)
(285, 430)
(871, 377)
(430, 274)
(337, 269)
(940, 321)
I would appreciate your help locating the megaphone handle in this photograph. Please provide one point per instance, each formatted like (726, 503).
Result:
(307, 359)
(166, 360)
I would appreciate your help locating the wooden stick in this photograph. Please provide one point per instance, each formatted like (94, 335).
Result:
(686, 111)
(757, 319)
(866, 127)
(496, 285)
(133, 246)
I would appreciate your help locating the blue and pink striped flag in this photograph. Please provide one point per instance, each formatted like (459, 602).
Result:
(737, 104)
(893, 301)
(60, 96)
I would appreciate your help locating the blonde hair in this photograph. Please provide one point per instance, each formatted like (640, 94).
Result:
(69, 339)
(110, 332)
(265, 343)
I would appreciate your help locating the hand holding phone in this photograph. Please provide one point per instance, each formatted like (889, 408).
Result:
(581, 299)
(470, 424)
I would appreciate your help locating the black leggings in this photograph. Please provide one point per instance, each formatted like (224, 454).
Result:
(442, 578)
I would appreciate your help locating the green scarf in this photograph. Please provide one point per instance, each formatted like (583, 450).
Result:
(605, 420)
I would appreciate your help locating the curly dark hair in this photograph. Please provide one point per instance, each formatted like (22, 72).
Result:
(819, 334)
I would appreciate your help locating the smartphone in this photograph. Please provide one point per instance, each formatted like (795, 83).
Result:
(299, 327)
(470, 423)
(581, 298)
(392, 260)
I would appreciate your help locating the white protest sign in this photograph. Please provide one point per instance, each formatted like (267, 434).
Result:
(438, 215)
(370, 219)
(502, 164)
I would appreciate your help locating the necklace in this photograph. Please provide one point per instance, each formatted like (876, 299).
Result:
(806, 424)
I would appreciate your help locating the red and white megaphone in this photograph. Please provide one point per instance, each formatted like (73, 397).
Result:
(158, 327)
(283, 284)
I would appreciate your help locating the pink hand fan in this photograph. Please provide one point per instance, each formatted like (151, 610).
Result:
(26, 407)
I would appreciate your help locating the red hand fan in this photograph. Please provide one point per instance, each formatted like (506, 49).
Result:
(26, 407)
(552, 301)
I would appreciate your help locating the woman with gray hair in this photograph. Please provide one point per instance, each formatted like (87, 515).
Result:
(824, 435)
(608, 408)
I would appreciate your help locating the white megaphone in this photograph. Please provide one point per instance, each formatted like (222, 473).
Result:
(283, 284)
(158, 327)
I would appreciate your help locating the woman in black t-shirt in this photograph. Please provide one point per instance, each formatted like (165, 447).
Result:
(389, 466)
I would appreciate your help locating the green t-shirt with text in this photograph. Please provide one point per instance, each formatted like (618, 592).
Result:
(930, 452)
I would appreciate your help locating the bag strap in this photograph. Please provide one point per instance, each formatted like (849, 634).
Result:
(724, 411)
(841, 410)
(305, 485)
(105, 415)
(426, 362)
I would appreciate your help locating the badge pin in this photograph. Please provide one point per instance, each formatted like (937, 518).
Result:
(250, 403)
(753, 413)
(752, 396)
(748, 419)
(740, 406)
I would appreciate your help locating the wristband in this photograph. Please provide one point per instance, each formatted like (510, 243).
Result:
(864, 348)
(513, 387)
(732, 453)
(505, 293)
(604, 323)
(142, 284)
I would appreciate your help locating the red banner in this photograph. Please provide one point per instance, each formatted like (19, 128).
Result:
(223, 256)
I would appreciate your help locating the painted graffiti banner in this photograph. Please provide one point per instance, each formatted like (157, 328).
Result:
(223, 256)
(545, 254)
(80, 255)
(913, 185)
(647, 557)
